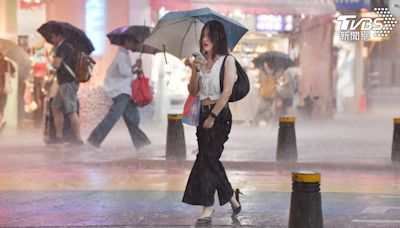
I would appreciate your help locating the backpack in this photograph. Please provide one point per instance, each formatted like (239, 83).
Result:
(267, 87)
(84, 66)
(242, 85)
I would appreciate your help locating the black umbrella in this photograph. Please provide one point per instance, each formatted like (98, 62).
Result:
(135, 32)
(72, 34)
(276, 60)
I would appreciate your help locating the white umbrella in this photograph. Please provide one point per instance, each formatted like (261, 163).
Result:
(178, 33)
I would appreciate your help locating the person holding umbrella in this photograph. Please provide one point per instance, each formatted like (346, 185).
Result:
(117, 86)
(66, 98)
(208, 174)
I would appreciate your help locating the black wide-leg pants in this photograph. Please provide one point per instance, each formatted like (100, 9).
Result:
(208, 174)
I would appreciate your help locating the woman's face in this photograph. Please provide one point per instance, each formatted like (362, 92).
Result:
(206, 42)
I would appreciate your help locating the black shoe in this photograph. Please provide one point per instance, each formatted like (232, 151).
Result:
(205, 221)
(93, 144)
(235, 221)
(237, 210)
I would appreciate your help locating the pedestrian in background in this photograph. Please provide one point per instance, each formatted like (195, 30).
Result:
(117, 86)
(39, 71)
(265, 112)
(6, 67)
(208, 174)
(285, 92)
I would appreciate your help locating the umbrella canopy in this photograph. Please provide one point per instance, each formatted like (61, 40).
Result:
(138, 33)
(276, 60)
(18, 55)
(178, 33)
(72, 34)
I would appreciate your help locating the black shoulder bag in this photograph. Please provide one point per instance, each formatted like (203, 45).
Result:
(242, 85)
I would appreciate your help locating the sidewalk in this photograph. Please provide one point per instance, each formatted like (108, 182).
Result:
(365, 139)
(121, 187)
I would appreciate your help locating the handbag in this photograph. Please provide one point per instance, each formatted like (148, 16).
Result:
(242, 85)
(191, 111)
(141, 92)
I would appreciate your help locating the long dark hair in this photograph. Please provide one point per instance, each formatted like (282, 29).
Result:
(217, 35)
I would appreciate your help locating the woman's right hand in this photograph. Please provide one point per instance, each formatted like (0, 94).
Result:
(192, 63)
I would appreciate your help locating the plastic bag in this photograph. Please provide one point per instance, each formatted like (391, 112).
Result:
(191, 111)
(141, 92)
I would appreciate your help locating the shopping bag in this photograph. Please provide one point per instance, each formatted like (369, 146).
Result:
(141, 92)
(191, 111)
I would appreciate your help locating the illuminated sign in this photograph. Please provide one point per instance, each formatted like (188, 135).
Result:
(352, 4)
(274, 23)
(95, 15)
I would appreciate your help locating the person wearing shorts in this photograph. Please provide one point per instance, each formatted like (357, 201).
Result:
(66, 98)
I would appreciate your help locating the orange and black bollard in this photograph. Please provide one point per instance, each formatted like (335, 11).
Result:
(287, 148)
(176, 147)
(396, 141)
(305, 205)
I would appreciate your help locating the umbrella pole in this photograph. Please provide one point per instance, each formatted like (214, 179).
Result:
(165, 55)
(184, 37)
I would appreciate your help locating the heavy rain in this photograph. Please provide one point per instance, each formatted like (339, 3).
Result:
(192, 113)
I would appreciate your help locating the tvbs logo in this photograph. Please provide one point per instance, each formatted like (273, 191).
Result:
(362, 28)
(350, 23)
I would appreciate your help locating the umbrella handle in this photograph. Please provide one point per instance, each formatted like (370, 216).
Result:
(165, 56)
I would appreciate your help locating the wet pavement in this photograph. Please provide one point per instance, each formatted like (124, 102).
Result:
(119, 186)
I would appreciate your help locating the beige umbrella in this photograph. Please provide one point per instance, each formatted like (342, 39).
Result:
(18, 55)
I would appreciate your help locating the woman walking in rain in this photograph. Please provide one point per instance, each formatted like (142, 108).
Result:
(208, 174)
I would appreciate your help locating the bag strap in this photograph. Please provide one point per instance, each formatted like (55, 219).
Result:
(71, 72)
(222, 72)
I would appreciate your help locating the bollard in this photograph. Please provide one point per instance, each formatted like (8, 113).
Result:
(396, 141)
(176, 147)
(305, 205)
(287, 148)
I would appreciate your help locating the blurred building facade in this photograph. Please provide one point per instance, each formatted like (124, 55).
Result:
(304, 29)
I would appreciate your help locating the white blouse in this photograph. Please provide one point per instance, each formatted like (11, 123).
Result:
(209, 86)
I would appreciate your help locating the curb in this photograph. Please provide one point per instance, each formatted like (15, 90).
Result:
(254, 166)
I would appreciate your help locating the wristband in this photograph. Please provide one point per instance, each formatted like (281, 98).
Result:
(213, 115)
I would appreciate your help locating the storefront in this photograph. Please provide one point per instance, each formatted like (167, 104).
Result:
(298, 28)
(363, 65)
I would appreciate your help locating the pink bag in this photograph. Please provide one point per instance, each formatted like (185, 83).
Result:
(191, 111)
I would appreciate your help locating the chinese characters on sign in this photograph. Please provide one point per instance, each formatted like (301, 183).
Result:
(353, 28)
(355, 35)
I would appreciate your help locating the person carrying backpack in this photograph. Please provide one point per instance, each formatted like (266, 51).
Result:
(66, 98)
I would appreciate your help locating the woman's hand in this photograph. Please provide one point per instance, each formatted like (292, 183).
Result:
(192, 63)
(208, 123)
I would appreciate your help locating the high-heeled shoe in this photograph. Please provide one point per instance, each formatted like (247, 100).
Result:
(236, 211)
(205, 220)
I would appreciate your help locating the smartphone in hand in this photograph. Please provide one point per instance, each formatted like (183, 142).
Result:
(199, 57)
